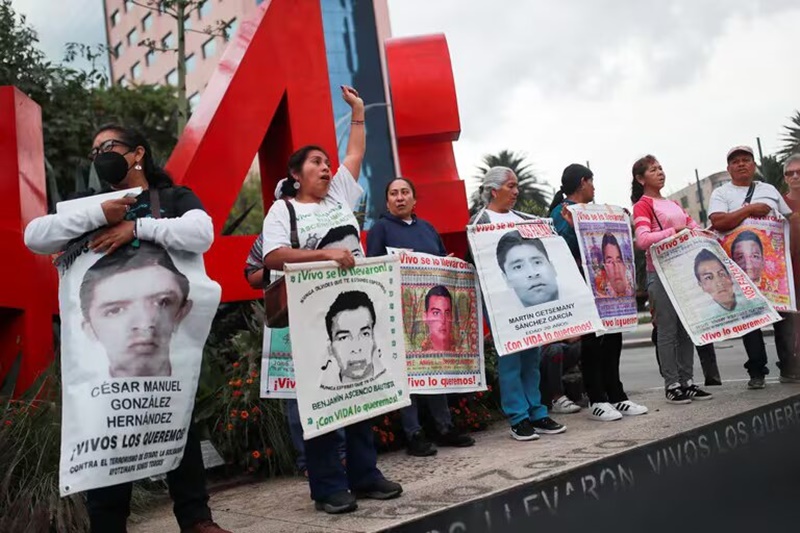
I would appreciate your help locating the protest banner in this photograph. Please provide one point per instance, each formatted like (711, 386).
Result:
(134, 323)
(713, 297)
(277, 367)
(346, 329)
(443, 324)
(760, 246)
(606, 244)
(528, 303)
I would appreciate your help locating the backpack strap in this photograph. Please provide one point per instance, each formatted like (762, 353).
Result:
(293, 238)
(155, 203)
(750, 191)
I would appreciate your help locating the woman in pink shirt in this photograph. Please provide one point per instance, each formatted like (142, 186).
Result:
(655, 218)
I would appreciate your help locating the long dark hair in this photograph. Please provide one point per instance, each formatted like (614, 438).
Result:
(571, 180)
(156, 176)
(295, 165)
(639, 168)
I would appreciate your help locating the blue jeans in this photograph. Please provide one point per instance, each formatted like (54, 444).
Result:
(296, 432)
(326, 473)
(519, 385)
(437, 405)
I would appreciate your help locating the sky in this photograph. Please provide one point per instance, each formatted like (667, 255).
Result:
(603, 81)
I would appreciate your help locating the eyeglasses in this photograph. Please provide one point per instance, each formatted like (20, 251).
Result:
(792, 173)
(105, 147)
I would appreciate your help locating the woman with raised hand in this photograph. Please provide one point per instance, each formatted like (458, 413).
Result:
(600, 355)
(401, 228)
(518, 372)
(657, 218)
(324, 205)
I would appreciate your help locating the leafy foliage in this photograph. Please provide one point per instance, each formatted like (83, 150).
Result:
(533, 195)
(75, 102)
(771, 171)
(791, 137)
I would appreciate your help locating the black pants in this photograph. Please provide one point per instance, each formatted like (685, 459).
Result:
(707, 355)
(600, 367)
(109, 507)
(756, 364)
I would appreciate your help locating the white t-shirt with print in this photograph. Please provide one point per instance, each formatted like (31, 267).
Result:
(510, 216)
(731, 197)
(315, 220)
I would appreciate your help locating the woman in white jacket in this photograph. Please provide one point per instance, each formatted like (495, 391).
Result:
(123, 159)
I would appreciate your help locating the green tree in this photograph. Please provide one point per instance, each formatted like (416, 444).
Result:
(791, 137)
(533, 195)
(75, 102)
(771, 171)
(181, 11)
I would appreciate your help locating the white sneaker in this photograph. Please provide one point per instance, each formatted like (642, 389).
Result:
(604, 412)
(564, 406)
(628, 408)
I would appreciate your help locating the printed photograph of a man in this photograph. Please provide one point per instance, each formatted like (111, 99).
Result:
(342, 237)
(527, 269)
(350, 323)
(747, 251)
(619, 283)
(715, 280)
(438, 318)
(132, 302)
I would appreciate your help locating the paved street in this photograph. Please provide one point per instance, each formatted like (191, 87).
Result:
(640, 371)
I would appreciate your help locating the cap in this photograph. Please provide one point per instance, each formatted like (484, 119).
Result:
(742, 148)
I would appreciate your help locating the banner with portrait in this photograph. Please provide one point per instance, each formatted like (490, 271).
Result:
(713, 297)
(277, 367)
(346, 330)
(532, 288)
(443, 324)
(760, 246)
(133, 326)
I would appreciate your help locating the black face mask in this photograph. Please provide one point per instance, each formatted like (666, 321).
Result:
(111, 167)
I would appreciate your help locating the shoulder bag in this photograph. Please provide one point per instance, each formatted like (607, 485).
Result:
(276, 305)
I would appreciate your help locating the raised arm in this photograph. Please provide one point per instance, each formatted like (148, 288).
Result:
(357, 142)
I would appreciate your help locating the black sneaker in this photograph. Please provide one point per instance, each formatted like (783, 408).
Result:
(419, 446)
(337, 503)
(696, 393)
(382, 489)
(548, 426)
(756, 383)
(455, 439)
(678, 396)
(713, 382)
(524, 431)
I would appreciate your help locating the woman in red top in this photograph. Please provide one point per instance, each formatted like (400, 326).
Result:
(655, 218)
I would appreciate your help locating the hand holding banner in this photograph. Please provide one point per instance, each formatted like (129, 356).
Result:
(760, 246)
(606, 244)
(346, 330)
(714, 298)
(443, 324)
(528, 303)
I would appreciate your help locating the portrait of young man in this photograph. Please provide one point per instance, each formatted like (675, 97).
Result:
(748, 252)
(618, 282)
(438, 317)
(132, 302)
(527, 269)
(350, 324)
(715, 280)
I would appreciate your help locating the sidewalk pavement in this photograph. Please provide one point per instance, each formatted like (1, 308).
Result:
(495, 463)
